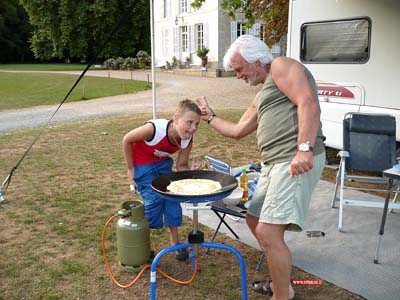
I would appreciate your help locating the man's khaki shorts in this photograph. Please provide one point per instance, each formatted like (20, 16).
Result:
(282, 199)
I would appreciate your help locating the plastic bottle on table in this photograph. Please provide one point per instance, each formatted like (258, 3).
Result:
(244, 184)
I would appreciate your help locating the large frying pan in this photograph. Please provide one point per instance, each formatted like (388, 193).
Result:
(228, 183)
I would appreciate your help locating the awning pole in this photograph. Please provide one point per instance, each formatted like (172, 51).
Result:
(153, 71)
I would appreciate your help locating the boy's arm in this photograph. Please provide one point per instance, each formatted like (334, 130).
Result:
(182, 160)
(142, 133)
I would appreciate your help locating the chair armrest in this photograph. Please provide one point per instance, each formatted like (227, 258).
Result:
(343, 154)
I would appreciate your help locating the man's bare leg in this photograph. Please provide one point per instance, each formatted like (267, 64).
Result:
(279, 258)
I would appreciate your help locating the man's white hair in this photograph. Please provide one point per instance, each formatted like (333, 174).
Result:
(251, 48)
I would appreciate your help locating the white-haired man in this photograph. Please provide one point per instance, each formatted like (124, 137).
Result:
(286, 115)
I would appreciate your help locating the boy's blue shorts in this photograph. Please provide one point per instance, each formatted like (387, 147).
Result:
(157, 211)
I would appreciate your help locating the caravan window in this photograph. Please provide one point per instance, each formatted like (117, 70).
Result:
(339, 41)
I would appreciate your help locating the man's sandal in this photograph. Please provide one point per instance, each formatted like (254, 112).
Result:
(264, 287)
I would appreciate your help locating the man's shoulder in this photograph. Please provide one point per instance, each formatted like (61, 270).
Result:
(281, 67)
(282, 61)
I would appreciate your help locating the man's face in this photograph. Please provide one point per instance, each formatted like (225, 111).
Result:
(244, 70)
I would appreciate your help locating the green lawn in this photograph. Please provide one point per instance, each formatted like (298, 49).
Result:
(22, 90)
(73, 180)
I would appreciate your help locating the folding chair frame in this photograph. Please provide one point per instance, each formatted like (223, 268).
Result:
(342, 177)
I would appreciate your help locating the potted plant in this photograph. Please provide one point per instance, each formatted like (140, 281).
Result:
(202, 53)
(174, 60)
(143, 58)
(110, 63)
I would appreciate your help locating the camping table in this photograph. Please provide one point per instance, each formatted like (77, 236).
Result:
(221, 210)
(393, 175)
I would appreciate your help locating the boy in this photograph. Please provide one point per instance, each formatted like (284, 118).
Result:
(148, 151)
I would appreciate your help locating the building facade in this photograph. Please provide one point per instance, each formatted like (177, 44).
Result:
(180, 30)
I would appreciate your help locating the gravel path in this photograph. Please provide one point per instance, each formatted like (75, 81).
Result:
(223, 93)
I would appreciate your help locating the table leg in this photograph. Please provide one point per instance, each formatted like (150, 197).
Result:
(226, 224)
(383, 221)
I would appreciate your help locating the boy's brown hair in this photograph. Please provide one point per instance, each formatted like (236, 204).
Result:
(187, 105)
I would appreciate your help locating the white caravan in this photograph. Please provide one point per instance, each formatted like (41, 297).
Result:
(353, 49)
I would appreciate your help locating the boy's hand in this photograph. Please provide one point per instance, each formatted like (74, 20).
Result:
(196, 163)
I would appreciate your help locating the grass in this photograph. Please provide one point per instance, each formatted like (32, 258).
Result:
(71, 182)
(22, 90)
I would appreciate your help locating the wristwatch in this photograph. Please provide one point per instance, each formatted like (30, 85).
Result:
(305, 147)
(210, 118)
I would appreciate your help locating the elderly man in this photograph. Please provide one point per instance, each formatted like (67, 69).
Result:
(286, 115)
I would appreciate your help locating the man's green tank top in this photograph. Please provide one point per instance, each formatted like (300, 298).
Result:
(278, 123)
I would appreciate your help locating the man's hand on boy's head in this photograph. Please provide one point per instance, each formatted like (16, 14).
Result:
(205, 109)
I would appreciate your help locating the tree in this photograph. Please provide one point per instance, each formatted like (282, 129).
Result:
(14, 32)
(75, 29)
(274, 13)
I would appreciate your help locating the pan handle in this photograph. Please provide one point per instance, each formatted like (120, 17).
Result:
(228, 187)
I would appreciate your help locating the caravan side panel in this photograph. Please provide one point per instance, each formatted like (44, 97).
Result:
(368, 86)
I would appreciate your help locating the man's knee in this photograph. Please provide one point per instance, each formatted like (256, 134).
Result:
(269, 235)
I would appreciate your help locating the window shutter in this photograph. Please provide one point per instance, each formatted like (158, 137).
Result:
(233, 31)
(252, 30)
(167, 8)
(189, 6)
(205, 35)
(257, 27)
(162, 9)
(165, 42)
(176, 41)
(191, 39)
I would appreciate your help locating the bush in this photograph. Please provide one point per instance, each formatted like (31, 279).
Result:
(119, 62)
(131, 63)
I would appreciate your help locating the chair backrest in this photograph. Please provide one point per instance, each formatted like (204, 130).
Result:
(370, 140)
(218, 165)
